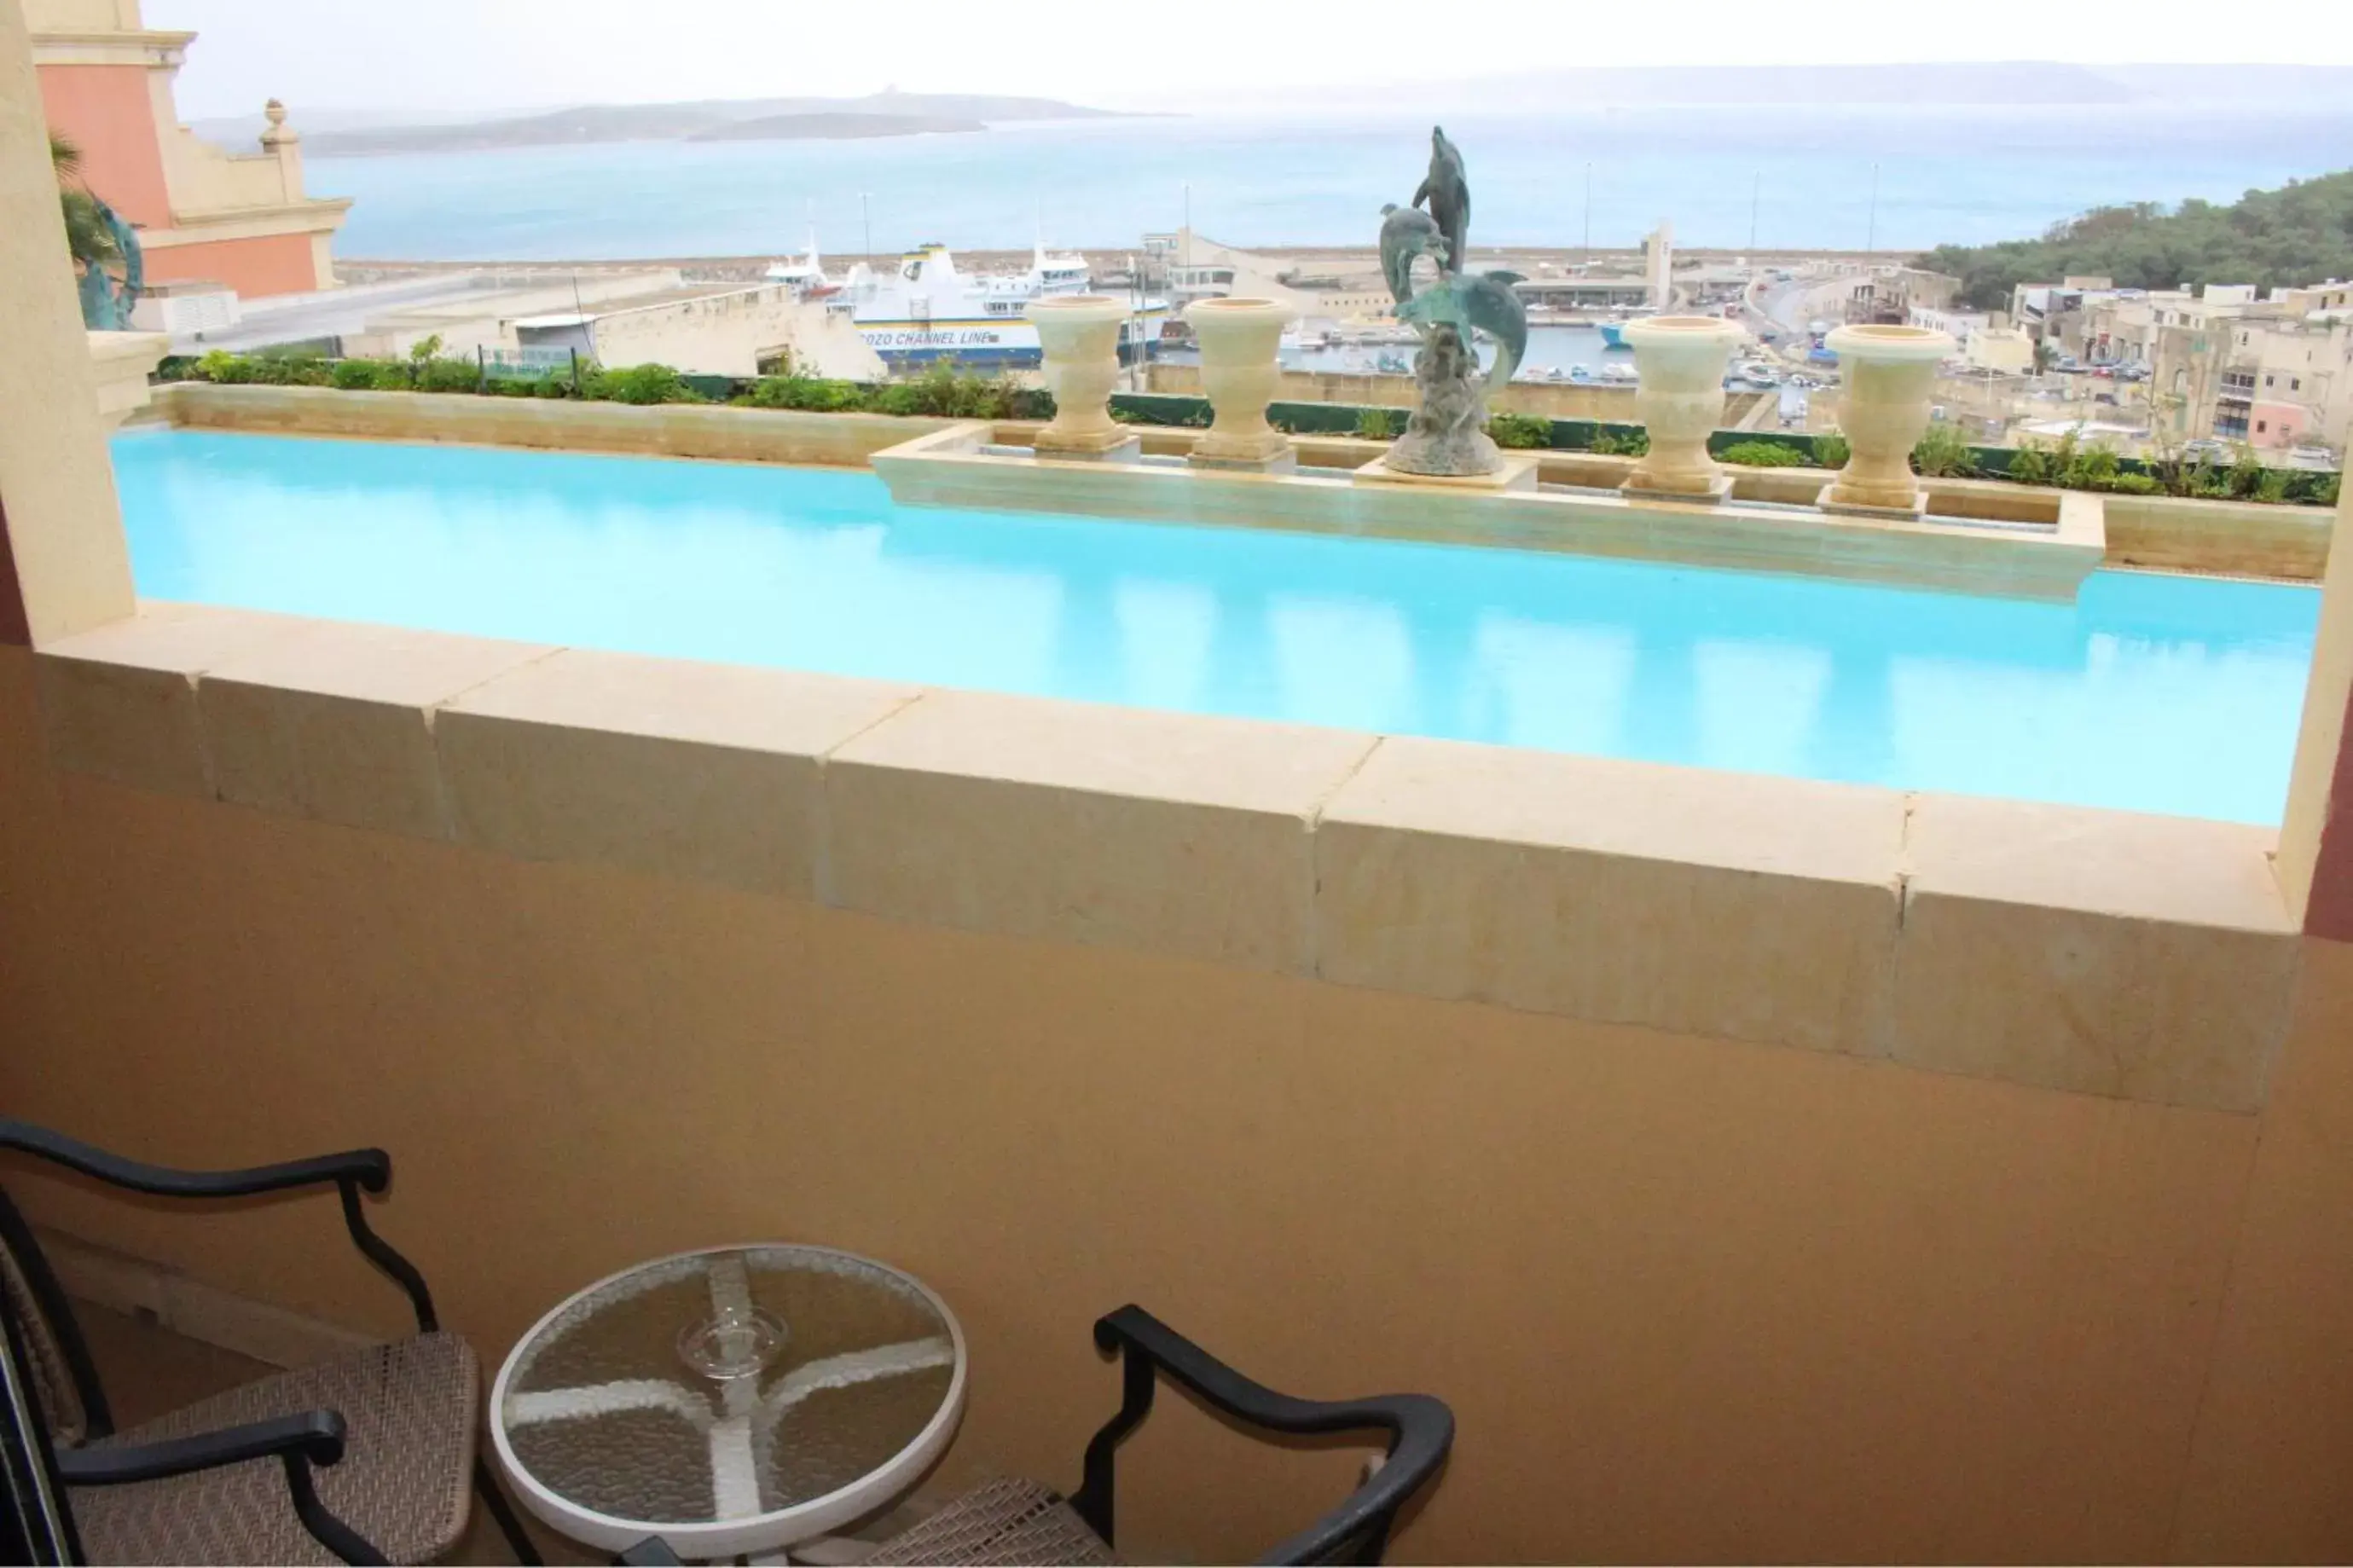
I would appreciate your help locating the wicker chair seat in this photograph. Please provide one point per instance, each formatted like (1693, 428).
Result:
(999, 1522)
(410, 1412)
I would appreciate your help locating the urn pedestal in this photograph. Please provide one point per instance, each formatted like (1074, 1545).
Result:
(1240, 371)
(1679, 398)
(1886, 375)
(1079, 335)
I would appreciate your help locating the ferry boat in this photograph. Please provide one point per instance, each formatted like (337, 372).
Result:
(927, 309)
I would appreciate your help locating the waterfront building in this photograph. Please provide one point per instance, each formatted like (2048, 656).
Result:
(203, 215)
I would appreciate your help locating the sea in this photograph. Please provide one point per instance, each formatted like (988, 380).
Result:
(1891, 178)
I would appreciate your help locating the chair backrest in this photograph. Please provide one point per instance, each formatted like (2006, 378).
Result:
(36, 1524)
(31, 1291)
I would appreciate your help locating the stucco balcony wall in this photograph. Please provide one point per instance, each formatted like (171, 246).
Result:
(1586, 1094)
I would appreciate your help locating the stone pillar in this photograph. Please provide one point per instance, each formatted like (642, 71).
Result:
(282, 144)
(2315, 847)
(63, 559)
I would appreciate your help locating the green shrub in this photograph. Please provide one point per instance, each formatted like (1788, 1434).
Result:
(426, 348)
(2035, 464)
(289, 367)
(361, 374)
(448, 376)
(2245, 475)
(1763, 455)
(1633, 444)
(1520, 430)
(526, 385)
(2326, 492)
(1831, 452)
(1387, 424)
(815, 394)
(226, 369)
(1944, 454)
(2272, 487)
(943, 391)
(639, 384)
(2092, 467)
(555, 384)
(2137, 485)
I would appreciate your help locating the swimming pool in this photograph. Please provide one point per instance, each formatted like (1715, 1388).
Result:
(2152, 693)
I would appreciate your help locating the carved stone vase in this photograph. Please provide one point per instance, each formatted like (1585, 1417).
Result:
(1886, 374)
(1239, 339)
(1079, 336)
(1679, 398)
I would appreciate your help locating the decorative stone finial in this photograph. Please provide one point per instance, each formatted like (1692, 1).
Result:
(275, 113)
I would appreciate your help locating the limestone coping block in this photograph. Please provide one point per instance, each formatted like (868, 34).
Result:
(1172, 832)
(119, 702)
(121, 364)
(1754, 908)
(2145, 957)
(336, 722)
(949, 469)
(702, 771)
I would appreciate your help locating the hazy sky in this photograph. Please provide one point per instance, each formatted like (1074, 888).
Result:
(494, 54)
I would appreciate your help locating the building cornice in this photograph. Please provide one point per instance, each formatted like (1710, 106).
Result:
(148, 48)
(320, 215)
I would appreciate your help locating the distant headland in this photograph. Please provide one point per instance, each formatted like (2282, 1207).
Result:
(889, 113)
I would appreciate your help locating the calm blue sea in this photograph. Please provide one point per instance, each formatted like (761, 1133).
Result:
(1945, 173)
(2165, 694)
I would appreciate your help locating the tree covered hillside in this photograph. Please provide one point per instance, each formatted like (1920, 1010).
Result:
(2301, 233)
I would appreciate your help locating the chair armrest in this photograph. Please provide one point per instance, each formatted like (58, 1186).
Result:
(296, 1442)
(653, 1551)
(1420, 1430)
(350, 1173)
(369, 1169)
(316, 1435)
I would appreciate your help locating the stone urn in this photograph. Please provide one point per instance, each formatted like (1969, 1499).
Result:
(1079, 336)
(1886, 375)
(1680, 398)
(1239, 338)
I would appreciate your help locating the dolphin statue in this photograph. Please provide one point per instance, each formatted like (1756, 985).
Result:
(1485, 301)
(1448, 193)
(1406, 233)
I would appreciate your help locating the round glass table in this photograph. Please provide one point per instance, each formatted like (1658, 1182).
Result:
(735, 1400)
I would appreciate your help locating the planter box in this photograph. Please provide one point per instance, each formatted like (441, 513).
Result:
(661, 430)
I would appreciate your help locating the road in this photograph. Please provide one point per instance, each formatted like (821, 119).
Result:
(330, 314)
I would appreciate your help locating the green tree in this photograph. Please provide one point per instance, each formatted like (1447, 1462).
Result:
(2298, 234)
(89, 239)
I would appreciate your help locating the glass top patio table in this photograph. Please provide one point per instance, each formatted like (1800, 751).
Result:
(735, 1399)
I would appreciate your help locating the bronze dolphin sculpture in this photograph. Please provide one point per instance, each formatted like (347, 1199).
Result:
(1406, 233)
(1448, 193)
(1485, 301)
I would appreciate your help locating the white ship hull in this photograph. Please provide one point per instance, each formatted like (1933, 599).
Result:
(926, 309)
(1012, 344)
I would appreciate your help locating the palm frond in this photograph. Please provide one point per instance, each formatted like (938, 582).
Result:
(87, 234)
(64, 157)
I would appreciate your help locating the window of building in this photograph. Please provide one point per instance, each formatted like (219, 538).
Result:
(2267, 381)
(2296, 383)
(2262, 425)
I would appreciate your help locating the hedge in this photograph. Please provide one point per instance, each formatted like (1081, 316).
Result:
(943, 391)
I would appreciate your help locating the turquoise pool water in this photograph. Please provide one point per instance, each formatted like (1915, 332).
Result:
(2150, 694)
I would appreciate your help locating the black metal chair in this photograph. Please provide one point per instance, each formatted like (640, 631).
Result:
(1018, 1522)
(365, 1459)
